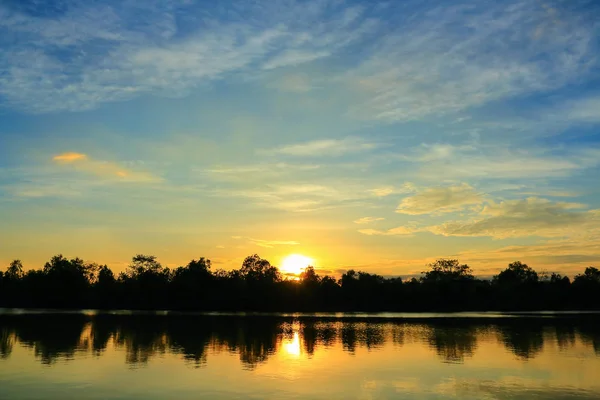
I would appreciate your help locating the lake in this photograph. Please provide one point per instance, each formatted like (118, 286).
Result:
(124, 355)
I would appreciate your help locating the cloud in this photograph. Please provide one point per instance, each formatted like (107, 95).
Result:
(399, 231)
(293, 58)
(264, 171)
(70, 157)
(323, 37)
(325, 147)
(383, 191)
(440, 200)
(300, 199)
(437, 151)
(523, 218)
(267, 243)
(87, 54)
(367, 220)
(103, 169)
(321, 194)
(42, 189)
(438, 161)
(584, 110)
(454, 56)
(388, 190)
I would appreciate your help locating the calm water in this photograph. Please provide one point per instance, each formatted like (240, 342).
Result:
(121, 356)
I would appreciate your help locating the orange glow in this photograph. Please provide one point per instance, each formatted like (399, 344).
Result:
(295, 264)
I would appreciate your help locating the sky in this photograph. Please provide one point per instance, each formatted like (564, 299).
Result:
(374, 135)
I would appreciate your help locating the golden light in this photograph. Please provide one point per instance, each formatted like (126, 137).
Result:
(295, 264)
(293, 348)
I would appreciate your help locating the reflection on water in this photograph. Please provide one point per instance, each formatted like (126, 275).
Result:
(343, 358)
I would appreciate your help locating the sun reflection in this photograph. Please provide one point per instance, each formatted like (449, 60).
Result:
(293, 348)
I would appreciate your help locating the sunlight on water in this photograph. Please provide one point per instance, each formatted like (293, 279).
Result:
(293, 348)
(95, 356)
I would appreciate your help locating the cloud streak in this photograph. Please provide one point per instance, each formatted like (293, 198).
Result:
(69, 157)
(325, 147)
(368, 220)
(399, 231)
(440, 200)
(267, 243)
(103, 169)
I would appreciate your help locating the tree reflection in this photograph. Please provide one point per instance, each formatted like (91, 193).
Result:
(6, 342)
(255, 341)
(195, 338)
(590, 334)
(349, 337)
(524, 339)
(51, 337)
(453, 343)
(142, 340)
(565, 336)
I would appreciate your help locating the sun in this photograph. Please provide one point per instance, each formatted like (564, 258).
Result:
(295, 264)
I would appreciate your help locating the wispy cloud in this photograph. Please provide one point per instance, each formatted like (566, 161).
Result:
(105, 169)
(294, 57)
(267, 243)
(458, 162)
(440, 200)
(425, 64)
(266, 171)
(368, 220)
(321, 193)
(382, 191)
(325, 147)
(388, 190)
(584, 110)
(522, 218)
(89, 53)
(399, 231)
(69, 157)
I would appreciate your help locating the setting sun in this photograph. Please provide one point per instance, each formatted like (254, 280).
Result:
(295, 264)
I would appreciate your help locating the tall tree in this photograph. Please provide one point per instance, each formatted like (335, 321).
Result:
(15, 270)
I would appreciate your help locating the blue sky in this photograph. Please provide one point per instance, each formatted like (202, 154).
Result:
(371, 135)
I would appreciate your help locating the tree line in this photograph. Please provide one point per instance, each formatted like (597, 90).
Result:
(447, 285)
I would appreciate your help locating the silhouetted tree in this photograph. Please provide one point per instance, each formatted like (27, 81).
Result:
(68, 281)
(256, 269)
(447, 270)
(586, 288)
(450, 284)
(15, 270)
(517, 273)
(146, 283)
(517, 288)
(191, 285)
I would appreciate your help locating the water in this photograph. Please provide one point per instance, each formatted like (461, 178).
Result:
(86, 355)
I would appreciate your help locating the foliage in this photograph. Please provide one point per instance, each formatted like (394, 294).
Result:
(447, 285)
(447, 270)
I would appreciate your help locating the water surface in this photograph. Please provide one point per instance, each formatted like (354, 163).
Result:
(123, 355)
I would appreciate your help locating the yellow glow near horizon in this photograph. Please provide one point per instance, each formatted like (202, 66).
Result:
(295, 264)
